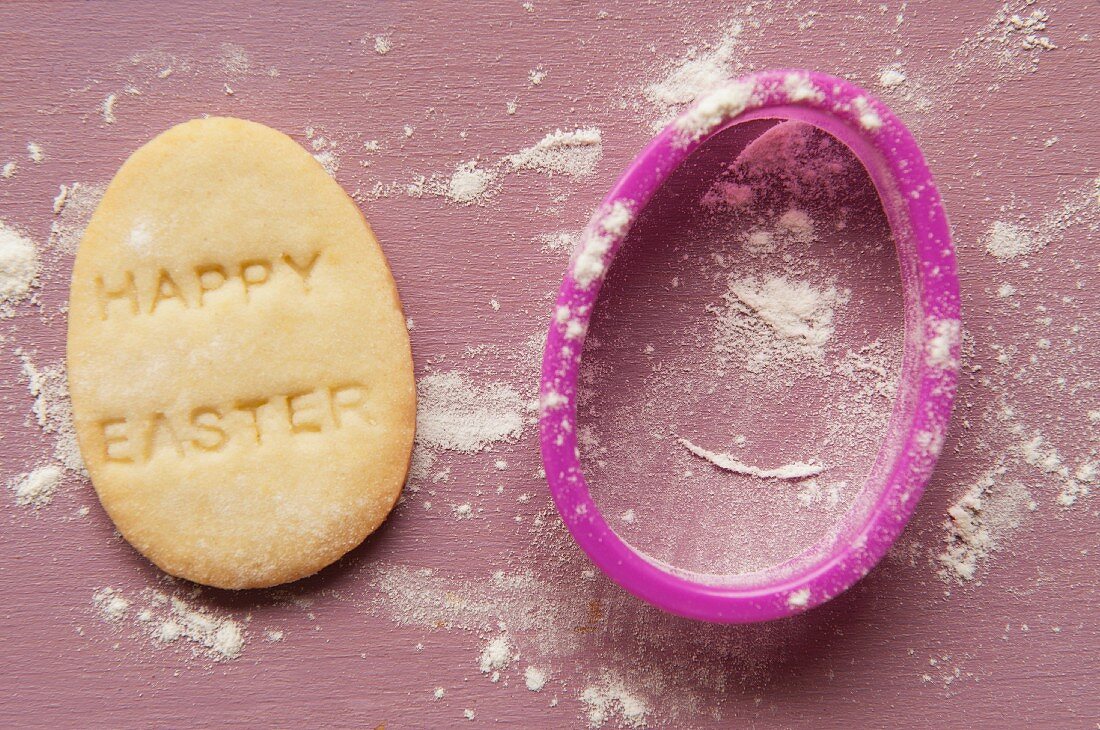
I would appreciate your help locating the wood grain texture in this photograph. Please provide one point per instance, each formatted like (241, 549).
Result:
(856, 662)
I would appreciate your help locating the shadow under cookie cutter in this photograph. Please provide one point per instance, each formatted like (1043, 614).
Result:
(929, 371)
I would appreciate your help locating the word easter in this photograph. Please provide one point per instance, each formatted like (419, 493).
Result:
(248, 423)
(194, 287)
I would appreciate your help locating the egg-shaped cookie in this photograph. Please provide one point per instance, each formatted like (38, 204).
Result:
(240, 370)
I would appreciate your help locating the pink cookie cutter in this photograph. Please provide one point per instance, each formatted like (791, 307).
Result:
(929, 372)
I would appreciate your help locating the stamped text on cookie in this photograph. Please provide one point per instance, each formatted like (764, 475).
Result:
(129, 294)
(248, 422)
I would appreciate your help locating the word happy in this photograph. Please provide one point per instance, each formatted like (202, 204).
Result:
(193, 288)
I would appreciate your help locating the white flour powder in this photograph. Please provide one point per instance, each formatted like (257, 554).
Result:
(496, 656)
(574, 154)
(171, 618)
(555, 242)
(456, 414)
(980, 522)
(794, 470)
(19, 268)
(1007, 240)
(80, 203)
(37, 488)
(535, 679)
(469, 183)
(698, 72)
(610, 699)
(52, 409)
(715, 107)
(776, 320)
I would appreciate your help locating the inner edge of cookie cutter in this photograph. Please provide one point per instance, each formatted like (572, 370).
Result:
(929, 372)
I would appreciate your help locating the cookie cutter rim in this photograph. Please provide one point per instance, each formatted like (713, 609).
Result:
(927, 382)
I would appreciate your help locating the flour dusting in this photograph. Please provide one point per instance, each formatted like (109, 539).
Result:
(979, 523)
(53, 410)
(1006, 240)
(168, 619)
(456, 414)
(794, 471)
(19, 268)
(774, 320)
(469, 183)
(609, 698)
(699, 71)
(574, 154)
(68, 228)
(36, 489)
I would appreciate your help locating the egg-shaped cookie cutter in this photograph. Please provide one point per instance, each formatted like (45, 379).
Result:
(929, 370)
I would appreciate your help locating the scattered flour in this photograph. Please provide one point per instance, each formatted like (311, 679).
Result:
(234, 60)
(590, 261)
(772, 320)
(891, 77)
(795, 470)
(979, 523)
(698, 72)
(1007, 240)
(797, 224)
(168, 619)
(609, 698)
(496, 656)
(535, 678)
(811, 492)
(424, 597)
(1014, 38)
(799, 598)
(574, 154)
(108, 108)
(537, 75)
(35, 152)
(61, 198)
(456, 414)
(52, 409)
(945, 337)
(562, 241)
(37, 488)
(7, 171)
(19, 268)
(869, 119)
(68, 228)
(383, 44)
(798, 87)
(324, 150)
(714, 108)
(470, 184)
(1038, 453)
(111, 603)
(566, 616)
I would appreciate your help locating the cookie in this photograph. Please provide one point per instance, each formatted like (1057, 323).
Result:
(240, 369)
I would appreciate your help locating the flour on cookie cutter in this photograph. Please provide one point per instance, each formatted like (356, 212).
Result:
(929, 371)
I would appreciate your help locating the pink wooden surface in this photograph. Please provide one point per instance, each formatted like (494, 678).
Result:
(1017, 647)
